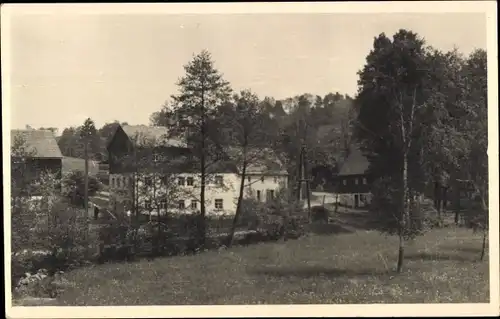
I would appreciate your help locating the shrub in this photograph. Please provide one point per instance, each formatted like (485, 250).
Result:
(249, 217)
(320, 214)
(40, 284)
(73, 187)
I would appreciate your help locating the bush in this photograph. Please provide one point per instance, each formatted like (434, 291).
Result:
(249, 217)
(320, 214)
(40, 284)
(73, 187)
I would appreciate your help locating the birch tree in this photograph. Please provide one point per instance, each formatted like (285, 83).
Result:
(391, 99)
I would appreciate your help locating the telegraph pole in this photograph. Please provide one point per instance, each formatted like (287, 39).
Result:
(303, 181)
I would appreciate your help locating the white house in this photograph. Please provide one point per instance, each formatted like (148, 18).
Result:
(158, 186)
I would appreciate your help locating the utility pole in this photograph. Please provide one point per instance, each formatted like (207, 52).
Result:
(303, 181)
(86, 194)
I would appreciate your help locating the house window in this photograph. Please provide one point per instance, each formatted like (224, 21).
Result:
(148, 181)
(190, 181)
(356, 181)
(147, 204)
(181, 181)
(118, 182)
(219, 204)
(194, 204)
(344, 182)
(157, 157)
(163, 204)
(249, 179)
(262, 179)
(181, 204)
(219, 180)
(112, 182)
(275, 179)
(258, 196)
(365, 181)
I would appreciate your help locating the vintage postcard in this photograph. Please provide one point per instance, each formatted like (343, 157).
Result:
(250, 159)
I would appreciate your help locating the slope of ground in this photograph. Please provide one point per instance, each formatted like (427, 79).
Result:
(353, 267)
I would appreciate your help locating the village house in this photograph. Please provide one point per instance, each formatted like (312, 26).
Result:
(154, 174)
(40, 154)
(353, 180)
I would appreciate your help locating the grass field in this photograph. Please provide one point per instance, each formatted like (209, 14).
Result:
(352, 267)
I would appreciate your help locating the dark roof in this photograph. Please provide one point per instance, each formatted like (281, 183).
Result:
(355, 163)
(139, 134)
(42, 143)
(78, 164)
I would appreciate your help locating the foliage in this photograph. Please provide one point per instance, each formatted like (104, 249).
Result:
(320, 214)
(201, 91)
(283, 217)
(394, 104)
(39, 284)
(73, 187)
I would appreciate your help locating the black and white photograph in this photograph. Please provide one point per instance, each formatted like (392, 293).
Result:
(299, 159)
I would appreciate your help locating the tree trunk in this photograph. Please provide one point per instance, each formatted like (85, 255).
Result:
(86, 191)
(401, 252)
(483, 249)
(456, 200)
(404, 213)
(238, 206)
(201, 220)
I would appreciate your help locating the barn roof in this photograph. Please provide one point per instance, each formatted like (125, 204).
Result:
(355, 163)
(140, 134)
(42, 143)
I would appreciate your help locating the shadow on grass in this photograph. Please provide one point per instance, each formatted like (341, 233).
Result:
(316, 271)
(439, 257)
(327, 229)
(470, 250)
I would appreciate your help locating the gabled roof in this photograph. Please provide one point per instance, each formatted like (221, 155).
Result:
(42, 143)
(140, 134)
(78, 164)
(355, 163)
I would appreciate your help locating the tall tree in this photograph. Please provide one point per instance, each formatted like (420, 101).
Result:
(201, 91)
(391, 98)
(88, 135)
(476, 128)
(245, 120)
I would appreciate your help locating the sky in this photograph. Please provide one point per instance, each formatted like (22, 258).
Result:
(67, 67)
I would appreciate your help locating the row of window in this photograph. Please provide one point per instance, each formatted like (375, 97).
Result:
(181, 204)
(189, 181)
(121, 181)
(269, 195)
(357, 181)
